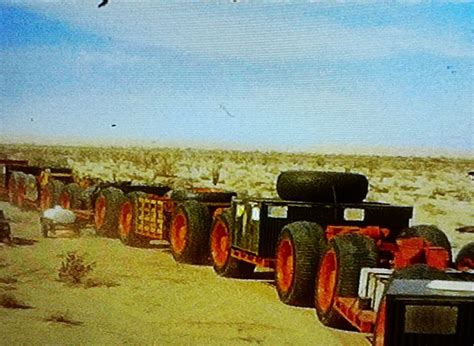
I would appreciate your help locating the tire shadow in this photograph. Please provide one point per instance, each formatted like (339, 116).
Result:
(17, 241)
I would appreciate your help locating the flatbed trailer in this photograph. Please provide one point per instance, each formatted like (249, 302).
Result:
(138, 214)
(327, 252)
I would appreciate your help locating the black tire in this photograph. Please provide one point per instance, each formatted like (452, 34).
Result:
(190, 231)
(328, 187)
(31, 188)
(465, 257)
(203, 195)
(126, 228)
(50, 194)
(300, 247)
(429, 233)
(57, 187)
(106, 221)
(17, 193)
(46, 196)
(226, 265)
(419, 271)
(12, 186)
(344, 257)
(71, 196)
(87, 198)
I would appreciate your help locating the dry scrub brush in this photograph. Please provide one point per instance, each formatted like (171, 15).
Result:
(74, 268)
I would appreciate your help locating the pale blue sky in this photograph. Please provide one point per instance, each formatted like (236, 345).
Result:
(255, 74)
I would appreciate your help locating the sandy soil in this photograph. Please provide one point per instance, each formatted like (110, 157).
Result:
(144, 297)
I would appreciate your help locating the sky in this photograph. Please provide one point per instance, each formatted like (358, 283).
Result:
(266, 75)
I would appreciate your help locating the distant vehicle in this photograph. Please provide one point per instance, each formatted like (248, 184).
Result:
(348, 258)
(32, 187)
(138, 214)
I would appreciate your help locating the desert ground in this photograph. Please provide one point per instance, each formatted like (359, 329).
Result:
(142, 296)
(138, 296)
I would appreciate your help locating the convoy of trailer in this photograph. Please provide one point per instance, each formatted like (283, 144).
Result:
(361, 265)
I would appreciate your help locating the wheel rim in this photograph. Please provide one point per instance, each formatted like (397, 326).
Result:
(326, 285)
(285, 265)
(45, 199)
(99, 214)
(220, 244)
(379, 332)
(125, 223)
(179, 233)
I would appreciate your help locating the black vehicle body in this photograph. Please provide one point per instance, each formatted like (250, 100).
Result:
(258, 222)
(418, 313)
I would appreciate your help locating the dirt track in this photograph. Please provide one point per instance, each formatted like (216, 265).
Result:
(145, 297)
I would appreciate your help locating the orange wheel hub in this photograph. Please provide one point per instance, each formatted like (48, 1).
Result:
(285, 265)
(125, 221)
(326, 288)
(99, 214)
(179, 233)
(220, 244)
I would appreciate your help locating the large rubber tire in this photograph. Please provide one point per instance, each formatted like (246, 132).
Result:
(190, 232)
(465, 257)
(46, 196)
(430, 234)
(203, 195)
(221, 241)
(50, 194)
(128, 213)
(106, 211)
(70, 197)
(338, 274)
(17, 188)
(12, 183)
(300, 247)
(414, 272)
(21, 189)
(87, 198)
(31, 188)
(328, 187)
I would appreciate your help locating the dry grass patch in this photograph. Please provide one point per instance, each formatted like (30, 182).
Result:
(75, 270)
